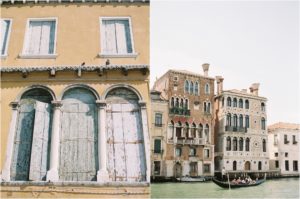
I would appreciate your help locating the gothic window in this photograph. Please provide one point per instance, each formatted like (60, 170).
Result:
(241, 121)
(264, 145)
(247, 144)
(235, 144)
(207, 89)
(186, 86)
(241, 144)
(228, 101)
(235, 120)
(240, 103)
(234, 102)
(263, 123)
(191, 87)
(196, 88)
(200, 131)
(228, 144)
(234, 165)
(206, 132)
(247, 104)
(228, 119)
(247, 121)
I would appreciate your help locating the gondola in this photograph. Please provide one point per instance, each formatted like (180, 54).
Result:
(226, 184)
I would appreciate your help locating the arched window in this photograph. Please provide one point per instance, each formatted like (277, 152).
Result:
(264, 145)
(191, 87)
(186, 105)
(234, 165)
(241, 121)
(206, 107)
(241, 144)
(228, 143)
(228, 119)
(186, 130)
(247, 121)
(196, 88)
(234, 144)
(263, 107)
(177, 103)
(240, 103)
(181, 103)
(222, 101)
(234, 102)
(200, 131)
(247, 104)
(207, 89)
(172, 102)
(170, 130)
(178, 130)
(206, 131)
(193, 130)
(263, 123)
(247, 144)
(186, 86)
(228, 101)
(235, 120)
(259, 165)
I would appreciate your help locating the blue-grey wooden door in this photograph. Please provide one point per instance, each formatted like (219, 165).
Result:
(78, 141)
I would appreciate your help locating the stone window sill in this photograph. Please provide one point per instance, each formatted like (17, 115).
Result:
(46, 56)
(129, 55)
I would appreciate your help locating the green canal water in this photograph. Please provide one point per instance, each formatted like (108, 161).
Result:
(273, 188)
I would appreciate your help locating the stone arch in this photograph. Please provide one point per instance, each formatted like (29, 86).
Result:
(83, 86)
(122, 86)
(42, 87)
(177, 170)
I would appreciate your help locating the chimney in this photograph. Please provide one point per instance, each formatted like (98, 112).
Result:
(205, 69)
(219, 84)
(254, 88)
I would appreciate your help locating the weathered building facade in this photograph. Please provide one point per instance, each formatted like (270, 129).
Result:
(158, 129)
(75, 98)
(240, 131)
(284, 148)
(190, 136)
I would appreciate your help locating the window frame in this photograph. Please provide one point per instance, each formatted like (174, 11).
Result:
(207, 89)
(157, 124)
(23, 55)
(102, 54)
(160, 147)
(4, 55)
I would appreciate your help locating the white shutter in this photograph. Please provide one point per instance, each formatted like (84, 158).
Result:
(33, 40)
(121, 37)
(45, 37)
(110, 45)
(4, 33)
(39, 148)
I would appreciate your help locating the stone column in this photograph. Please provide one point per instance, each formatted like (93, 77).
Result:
(10, 141)
(52, 174)
(102, 173)
(146, 137)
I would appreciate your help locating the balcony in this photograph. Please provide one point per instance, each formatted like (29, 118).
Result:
(235, 129)
(188, 141)
(158, 151)
(180, 111)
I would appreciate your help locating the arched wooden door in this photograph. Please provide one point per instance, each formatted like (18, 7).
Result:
(247, 166)
(125, 148)
(79, 131)
(30, 159)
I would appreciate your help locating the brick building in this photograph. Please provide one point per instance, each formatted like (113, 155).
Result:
(190, 137)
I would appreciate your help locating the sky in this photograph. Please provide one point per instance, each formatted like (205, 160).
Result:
(243, 41)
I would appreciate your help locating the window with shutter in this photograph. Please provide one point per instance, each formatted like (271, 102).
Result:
(5, 29)
(116, 36)
(40, 37)
(157, 146)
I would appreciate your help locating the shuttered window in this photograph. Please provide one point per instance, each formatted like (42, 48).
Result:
(157, 146)
(116, 36)
(40, 37)
(5, 27)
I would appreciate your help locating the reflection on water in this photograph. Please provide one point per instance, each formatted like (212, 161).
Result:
(275, 188)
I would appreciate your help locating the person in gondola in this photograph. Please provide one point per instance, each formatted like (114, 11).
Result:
(223, 173)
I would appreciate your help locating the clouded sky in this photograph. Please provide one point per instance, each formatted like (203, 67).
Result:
(243, 41)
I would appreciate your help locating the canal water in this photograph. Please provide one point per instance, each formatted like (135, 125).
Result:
(272, 188)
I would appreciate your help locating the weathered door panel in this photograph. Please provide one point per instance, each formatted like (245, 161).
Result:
(22, 142)
(40, 142)
(78, 157)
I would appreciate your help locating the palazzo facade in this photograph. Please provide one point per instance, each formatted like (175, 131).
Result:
(75, 98)
(240, 130)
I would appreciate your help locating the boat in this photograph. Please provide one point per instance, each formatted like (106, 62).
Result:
(191, 179)
(226, 184)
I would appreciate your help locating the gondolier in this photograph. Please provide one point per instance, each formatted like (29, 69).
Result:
(223, 173)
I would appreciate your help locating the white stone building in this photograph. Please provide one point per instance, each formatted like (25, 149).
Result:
(284, 148)
(240, 130)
